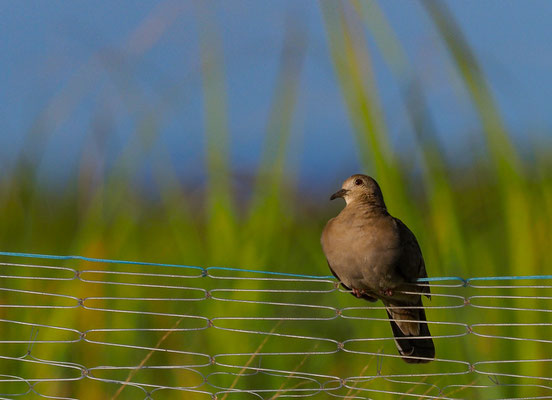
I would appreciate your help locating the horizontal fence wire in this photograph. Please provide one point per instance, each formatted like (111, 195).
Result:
(74, 327)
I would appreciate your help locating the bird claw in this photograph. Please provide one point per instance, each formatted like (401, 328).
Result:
(387, 292)
(358, 292)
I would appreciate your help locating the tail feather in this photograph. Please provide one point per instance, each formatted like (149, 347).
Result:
(417, 348)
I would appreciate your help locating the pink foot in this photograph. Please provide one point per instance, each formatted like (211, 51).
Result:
(358, 292)
(388, 292)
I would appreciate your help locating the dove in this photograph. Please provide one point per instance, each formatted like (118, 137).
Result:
(376, 257)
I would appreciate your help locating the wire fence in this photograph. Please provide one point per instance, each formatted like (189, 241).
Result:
(81, 328)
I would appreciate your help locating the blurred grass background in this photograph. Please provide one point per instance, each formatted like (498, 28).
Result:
(490, 217)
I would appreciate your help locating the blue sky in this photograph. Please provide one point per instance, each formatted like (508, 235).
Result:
(79, 67)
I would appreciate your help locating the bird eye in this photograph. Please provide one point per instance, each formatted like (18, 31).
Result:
(358, 182)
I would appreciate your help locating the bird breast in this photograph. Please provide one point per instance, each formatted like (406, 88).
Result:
(363, 252)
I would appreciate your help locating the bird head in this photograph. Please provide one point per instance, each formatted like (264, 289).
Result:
(360, 188)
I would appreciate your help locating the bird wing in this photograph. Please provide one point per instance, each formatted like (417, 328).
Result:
(411, 265)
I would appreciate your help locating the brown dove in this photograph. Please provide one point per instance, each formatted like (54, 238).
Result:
(376, 256)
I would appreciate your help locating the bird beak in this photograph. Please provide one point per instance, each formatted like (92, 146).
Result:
(339, 193)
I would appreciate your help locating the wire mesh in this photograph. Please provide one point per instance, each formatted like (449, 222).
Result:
(78, 328)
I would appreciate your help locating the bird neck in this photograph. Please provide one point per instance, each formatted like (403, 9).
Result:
(370, 205)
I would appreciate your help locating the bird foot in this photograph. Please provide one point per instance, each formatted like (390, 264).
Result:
(387, 292)
(358, 292)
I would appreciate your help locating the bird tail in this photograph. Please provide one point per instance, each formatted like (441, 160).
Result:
(415, 347)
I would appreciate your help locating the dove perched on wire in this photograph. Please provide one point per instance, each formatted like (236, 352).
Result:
(376, 256)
